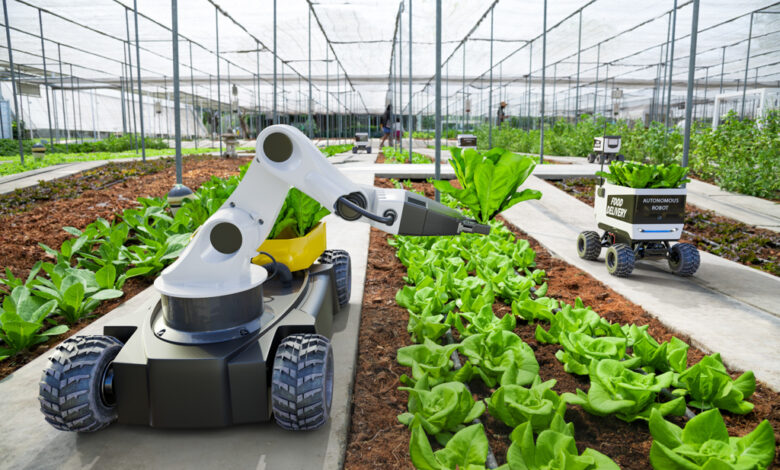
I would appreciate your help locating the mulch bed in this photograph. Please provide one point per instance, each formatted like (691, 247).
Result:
(378, 441)
(745, 244)
(42, 222)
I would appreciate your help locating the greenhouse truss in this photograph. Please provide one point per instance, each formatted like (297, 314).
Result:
(77, 64)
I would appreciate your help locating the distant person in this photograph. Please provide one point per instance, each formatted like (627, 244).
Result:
(501, 114)
(398, 128)
(384, 123)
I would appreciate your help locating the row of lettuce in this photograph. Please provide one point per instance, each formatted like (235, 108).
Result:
(739, 155)
(632, 376)
(95, 263)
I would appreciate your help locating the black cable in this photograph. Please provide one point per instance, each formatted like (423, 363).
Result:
(387, 219)
(273, 261)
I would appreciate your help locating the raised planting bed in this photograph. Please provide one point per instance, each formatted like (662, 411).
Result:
(721, 236)
(78, 201)
(378, 440)
(391, 155)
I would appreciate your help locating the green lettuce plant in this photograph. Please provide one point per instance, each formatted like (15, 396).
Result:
(708, 385)
(483, 321)
(494, 354)
(628, 395)
(571, 319)
(442, 410)
(432, 362)
(466, 450)
(640, 175)
(705, 443)
(538, 404)
(75, 291)
(298, 215)
(581, 350)
(21, 319)
(554, 449)
(489, 181)
(669, 355)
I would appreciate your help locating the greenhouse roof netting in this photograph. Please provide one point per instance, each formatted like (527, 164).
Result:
(354, 51)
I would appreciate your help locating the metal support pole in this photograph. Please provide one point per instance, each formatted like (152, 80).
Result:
(138, 70)
(671, 69)
(219, 87)
(167, 120)
(176, 103)
(327, 93)
(401, 82)
(62, 96)
(530, 73)
(276, 116)
(309, 125)
(46, 79)
(722, 63)
(691, 72)
(555, 99)
(130, 74)
(544, 68)
(437, 144)
(747, 63)
(72, 101)
(490, 95)
(122, 99)
(596, 91)
(13, 83)
(410, 123)
(192, 93)
(257, 95)
(661, 110)
(463, 88)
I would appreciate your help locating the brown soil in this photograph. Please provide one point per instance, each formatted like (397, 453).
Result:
(42, 223)
(748, 245)
(377, 440)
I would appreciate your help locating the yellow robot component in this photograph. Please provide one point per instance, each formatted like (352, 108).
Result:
(295, 253)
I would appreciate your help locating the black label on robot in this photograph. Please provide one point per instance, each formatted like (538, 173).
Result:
(647, 209)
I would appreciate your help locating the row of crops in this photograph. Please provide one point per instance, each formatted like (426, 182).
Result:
(453, 283)
(740, 155)
(402, 156)
(94, 265)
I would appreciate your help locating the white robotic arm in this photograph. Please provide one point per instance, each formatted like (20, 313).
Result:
(217, 261)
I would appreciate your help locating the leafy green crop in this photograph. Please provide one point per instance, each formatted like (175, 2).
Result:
(21, 317)
(669, 355)
(395, 156)
(554, 449)
(431, 362)
(581, 351)
(572, 319)
(640, 175)
(705, 443)
(299, 214)
(709, 385)
(466, 450)
(484, 321)
(489, 181)
(614, 389)
(443, 409)
(76, 291)
(499, 352)
(538, 404)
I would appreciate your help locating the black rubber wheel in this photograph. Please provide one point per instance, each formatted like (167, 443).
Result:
(342, 268)
(302, 382)
(620, 260)
(589, 245)
(354, 149)
(368, 149)
(602, 158)
(684, 259)
(621, 157)
(591, 157)
(72, 392)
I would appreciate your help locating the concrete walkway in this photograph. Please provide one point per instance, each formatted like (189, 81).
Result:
(725, 307)
(28, 442)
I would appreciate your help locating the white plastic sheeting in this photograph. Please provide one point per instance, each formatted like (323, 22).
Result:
(627, 37)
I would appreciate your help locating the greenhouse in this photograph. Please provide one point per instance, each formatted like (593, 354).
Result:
(432, 234)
